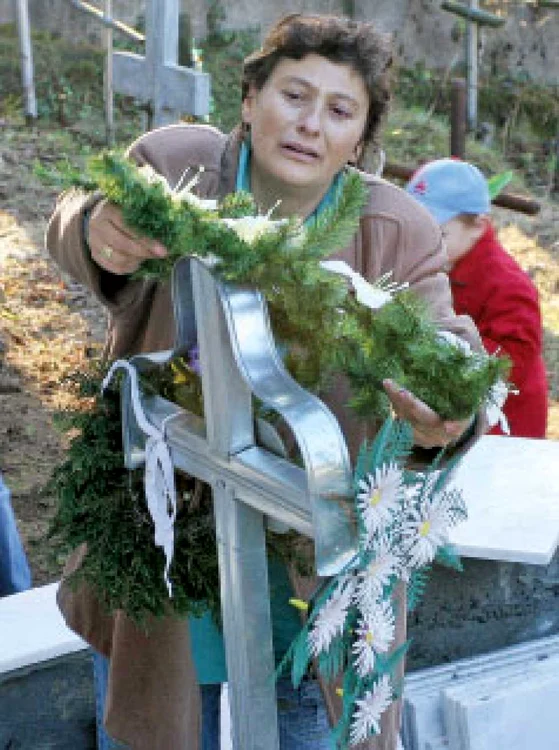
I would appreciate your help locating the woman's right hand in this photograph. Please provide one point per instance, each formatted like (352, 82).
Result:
(114, 246)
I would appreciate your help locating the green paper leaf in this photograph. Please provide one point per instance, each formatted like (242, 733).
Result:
(449, 558)
(498, 182)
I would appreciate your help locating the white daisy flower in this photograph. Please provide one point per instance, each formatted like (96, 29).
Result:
(366, 719)
(427, 527)
(376, 634)
(331, 619)
(372, 580)
(378, 498)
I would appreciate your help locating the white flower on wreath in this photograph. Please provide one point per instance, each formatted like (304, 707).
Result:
(375, 636)
(498, 394)
(374, 295)
(366, 719)
(331, 619)
(427, 527)
(378, 498)
(180, 193)
(251, 228)
(457, 341)
(372, 579)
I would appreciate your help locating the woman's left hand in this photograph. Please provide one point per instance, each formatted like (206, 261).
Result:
(429, 429)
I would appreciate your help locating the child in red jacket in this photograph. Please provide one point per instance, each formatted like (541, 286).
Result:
(489, 285)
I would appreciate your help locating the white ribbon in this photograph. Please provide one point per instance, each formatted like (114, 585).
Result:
(496, 398)
(159, 477)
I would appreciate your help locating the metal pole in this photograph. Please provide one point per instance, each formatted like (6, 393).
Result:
(472, 37)
(240, 533)
(107, 21)
(22, 19)
(108, 82)
(458, 118)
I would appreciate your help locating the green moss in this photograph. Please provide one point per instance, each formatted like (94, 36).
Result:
(411, 136)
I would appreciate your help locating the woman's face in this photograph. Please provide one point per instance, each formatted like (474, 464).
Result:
(306, 122)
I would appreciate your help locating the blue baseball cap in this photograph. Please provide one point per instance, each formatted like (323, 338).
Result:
(448, 187)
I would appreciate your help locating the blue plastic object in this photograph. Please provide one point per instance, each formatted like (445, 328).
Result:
(15, 575)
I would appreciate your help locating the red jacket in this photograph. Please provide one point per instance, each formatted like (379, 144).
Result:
(489, 286)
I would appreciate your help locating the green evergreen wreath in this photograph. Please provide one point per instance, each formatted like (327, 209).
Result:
(322, 329)
(102, 504)
(320, 324)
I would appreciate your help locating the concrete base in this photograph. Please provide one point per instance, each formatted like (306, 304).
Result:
(49, 706)
(491, 605)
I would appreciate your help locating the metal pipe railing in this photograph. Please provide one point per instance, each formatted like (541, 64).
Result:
(123, 28)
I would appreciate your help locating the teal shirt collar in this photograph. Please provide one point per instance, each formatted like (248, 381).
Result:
(242, 182)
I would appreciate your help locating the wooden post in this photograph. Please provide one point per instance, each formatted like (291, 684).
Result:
(474, 19)
(458, 118)
(22, 19)
(472, 39)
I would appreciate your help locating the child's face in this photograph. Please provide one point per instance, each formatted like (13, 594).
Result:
(460, 236)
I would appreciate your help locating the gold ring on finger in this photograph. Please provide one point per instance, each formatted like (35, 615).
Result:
(107, 251)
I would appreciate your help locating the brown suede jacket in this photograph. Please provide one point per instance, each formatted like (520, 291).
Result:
(153, 700)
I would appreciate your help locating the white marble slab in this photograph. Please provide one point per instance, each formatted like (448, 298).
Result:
(32, 629)
(511, 489)
(424, 690)
(476, 708)
(519, 714)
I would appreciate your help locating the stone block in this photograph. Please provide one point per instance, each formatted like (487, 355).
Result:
(46, 677)
(49, 706)
(434, 698)
(517, 713)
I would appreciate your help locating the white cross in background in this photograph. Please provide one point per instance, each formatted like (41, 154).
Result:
(157, 79)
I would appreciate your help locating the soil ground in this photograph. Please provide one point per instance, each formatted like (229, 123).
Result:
(50, 326)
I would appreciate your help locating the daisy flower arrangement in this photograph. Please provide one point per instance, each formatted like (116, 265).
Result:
(404, 519)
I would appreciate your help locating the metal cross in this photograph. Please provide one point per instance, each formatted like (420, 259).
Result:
(474, 19)
(239, 360)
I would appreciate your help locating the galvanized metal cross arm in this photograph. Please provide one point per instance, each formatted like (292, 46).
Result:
(107, 20)
(260, 479)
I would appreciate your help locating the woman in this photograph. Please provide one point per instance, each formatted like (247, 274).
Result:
(313, 99)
